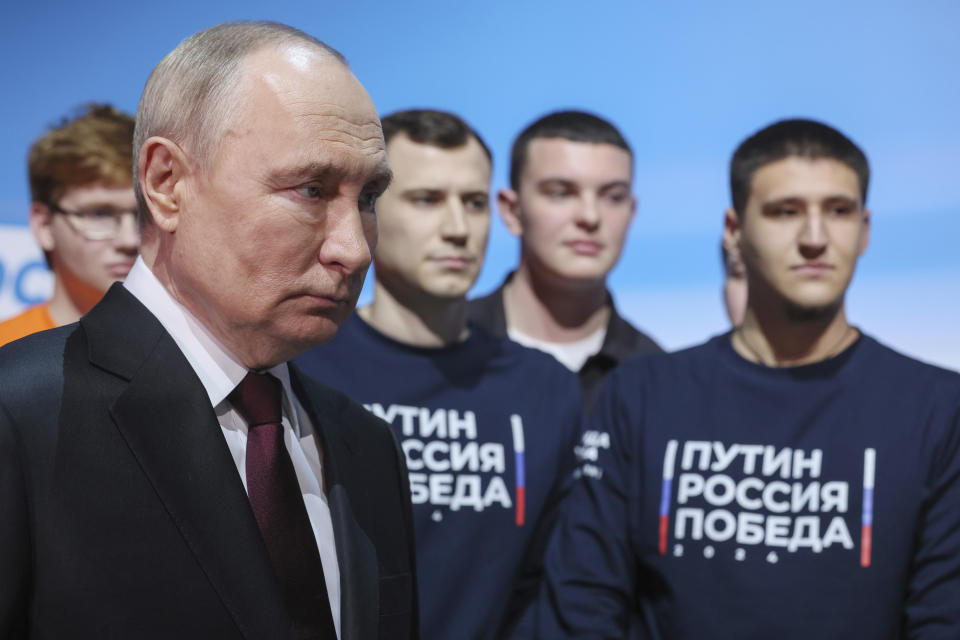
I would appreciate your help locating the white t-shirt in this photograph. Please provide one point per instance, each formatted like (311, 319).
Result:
(572, 355)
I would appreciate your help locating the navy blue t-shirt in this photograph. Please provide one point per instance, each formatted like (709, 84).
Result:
(725, 499)
(488, 428)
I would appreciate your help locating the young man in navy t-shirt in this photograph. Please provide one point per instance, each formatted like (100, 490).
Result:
(488, 426)
(791, 479)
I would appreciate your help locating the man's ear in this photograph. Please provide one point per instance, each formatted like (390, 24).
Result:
(40, 220)
(508, 204)
(161, 171)
(865, 232)
(731, 231)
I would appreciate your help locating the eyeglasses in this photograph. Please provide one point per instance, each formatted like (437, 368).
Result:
(98, 223)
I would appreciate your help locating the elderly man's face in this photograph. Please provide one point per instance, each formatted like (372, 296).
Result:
(275, 237)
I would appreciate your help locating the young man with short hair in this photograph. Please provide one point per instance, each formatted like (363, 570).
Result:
(570, 202)
(83, 215)
(791, 479)
(487, 425)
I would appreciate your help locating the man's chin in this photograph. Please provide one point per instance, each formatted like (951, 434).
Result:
(448, 289)
(449, 294)
(314, 331)
(324, 328)
(813, 311)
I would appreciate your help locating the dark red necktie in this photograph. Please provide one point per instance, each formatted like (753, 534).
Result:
(278, 507)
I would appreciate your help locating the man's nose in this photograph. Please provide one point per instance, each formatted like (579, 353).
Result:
(588, 215)
(127, 236)
(347, 241)
(453, 226)
(813, 235)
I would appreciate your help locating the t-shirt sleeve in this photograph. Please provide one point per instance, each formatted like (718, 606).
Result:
(932, 609)
(590, 565)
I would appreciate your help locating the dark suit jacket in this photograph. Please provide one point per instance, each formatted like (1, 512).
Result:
(122, 514)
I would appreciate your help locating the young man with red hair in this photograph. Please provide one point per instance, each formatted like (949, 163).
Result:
(83, 215)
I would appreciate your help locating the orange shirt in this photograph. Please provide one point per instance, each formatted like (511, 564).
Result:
(30, 321)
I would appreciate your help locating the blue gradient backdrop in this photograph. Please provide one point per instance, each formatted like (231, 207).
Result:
(686, 81)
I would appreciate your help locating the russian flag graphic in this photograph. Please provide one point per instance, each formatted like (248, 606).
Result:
(866, 529)
(669, 457)
(516, 424)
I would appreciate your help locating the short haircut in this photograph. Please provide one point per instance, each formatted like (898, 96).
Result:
(429, 126)
(94, 147)
(191, 94)
(575, 126)
(792, 138)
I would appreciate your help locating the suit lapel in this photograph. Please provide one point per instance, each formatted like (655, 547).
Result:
(166, 419)
(356, 554)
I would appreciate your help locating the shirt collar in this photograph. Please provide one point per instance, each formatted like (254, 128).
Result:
(218, 369)
(616, 340)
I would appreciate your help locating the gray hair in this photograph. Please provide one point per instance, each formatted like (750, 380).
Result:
(191, 94)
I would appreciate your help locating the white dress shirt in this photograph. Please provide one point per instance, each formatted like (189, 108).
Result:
(220, 372)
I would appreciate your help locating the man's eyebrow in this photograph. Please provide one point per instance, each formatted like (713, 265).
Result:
(423, 190)
(785, 200)
(607, 185)
(326, 171)
(556, 180)
(616, 184)
(310, 171)
(103, 204)
(839, 197)
(382, 176)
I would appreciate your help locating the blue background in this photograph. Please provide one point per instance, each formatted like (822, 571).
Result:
(685, 81)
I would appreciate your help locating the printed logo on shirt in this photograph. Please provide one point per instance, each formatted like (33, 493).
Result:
(587, 453)
(769, 497)
(449, 468)
(745, 498)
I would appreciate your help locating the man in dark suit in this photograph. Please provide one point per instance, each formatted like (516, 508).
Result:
(163, 472)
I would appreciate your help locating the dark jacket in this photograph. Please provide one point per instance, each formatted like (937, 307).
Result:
(123, 515)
